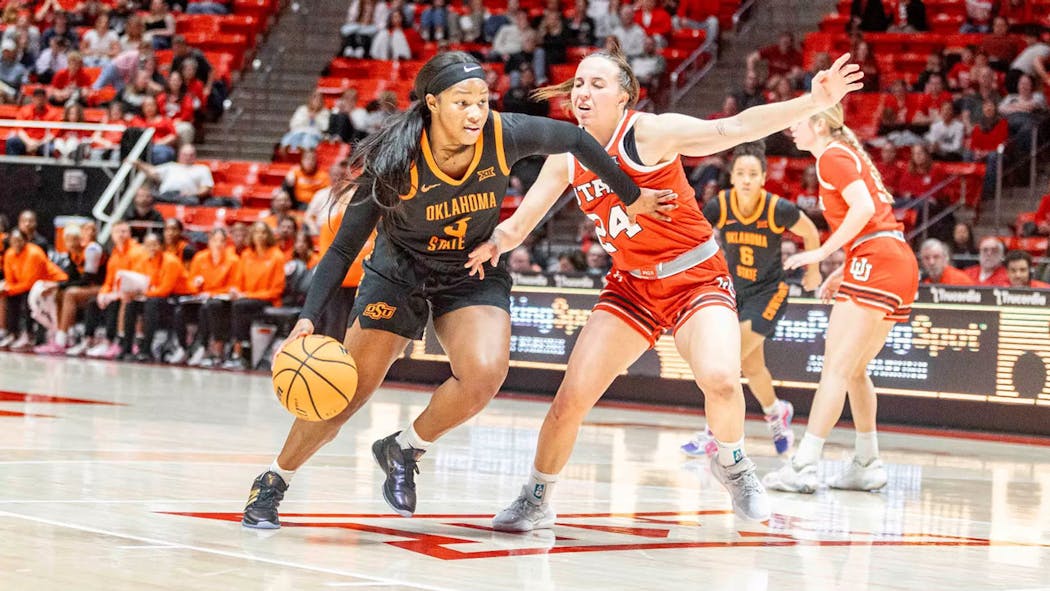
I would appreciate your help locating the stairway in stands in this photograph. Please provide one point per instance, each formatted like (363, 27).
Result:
(769, 18)
(282, 77)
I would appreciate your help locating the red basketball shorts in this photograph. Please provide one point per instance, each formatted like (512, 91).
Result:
(652, 306)
(881, 274)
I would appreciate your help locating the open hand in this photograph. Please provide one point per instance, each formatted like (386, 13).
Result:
(802, 259)
(842, 78)
(812, 279)
(830, 287)
(653, 203)
(486, 252)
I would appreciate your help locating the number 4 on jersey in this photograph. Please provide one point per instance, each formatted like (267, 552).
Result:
(618, 223)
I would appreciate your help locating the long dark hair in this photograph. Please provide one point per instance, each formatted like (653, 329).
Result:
(383, 160)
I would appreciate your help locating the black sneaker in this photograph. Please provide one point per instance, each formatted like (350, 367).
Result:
(261, 510)
(399, 489)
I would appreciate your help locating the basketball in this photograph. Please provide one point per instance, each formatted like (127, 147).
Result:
(314, 377)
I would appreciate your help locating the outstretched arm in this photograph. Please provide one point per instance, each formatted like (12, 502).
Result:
(861, 208)
(662, 137)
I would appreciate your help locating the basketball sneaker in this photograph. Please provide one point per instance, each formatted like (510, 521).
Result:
(261, 510)
(703, 443)
(6, 340)
(524, 516)
(51, 348)
(176, 356)
(779, 423)
(791, 479)
(867, 477)
(741, 480)
(400, 466)
(197, 356)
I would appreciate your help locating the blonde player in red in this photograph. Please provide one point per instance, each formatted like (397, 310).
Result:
(872, 290)
(667, 275)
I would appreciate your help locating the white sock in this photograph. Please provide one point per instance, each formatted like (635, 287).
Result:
(866, 447)
(538, 490)
(409, 438)
(730, 453)
(809, 451)
(61, 338)
(286, 475)
(768, 410)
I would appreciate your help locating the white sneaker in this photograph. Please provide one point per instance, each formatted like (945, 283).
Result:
(196, 356)
(779, 423)
(98, 350)
(524, 516)
(78, 349)
(789, 479)
(857, 476)
(22, 342)
(749, 497)
(6, 340)
(177, 356)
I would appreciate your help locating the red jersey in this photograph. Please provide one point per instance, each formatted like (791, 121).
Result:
(837, 168)
(648, 241)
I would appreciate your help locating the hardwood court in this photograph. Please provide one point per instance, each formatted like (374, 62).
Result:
(118, 476)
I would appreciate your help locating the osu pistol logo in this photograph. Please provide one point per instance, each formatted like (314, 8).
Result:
(380, 311)
(470, 536)
(860, 269)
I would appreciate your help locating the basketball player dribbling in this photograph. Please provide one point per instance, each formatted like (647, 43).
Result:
(752, 222)
(873, 290)
(665, 275)
(436, 176)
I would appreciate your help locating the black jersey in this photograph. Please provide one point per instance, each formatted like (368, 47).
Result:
(752, 244)
(441, 219)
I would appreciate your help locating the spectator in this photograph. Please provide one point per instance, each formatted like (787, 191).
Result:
(597, 261)
(913, 18)
(287, 228)
(999, 45)
(164, 136)
(59, 28)
(70, 84)
(24, 265)
(1025, 102)
(971, 103)
(135, 94)
(107, 143)
(1032, 61)
(306, 178)
(571, 261)
(751, 95)
(869, 16)
(918, 178)
(281, 205)
(392, 42)
(159, 25)
(258, 283)
(782, 59)
(183, 181)
(134, 35)
(79, 291)
(930, 102)
(862, 56)
(934, 66)
(345, 117)
(25, 30)
(240, 238)
(699, 14)
(143, 217)
(519, 98)
(556, 38)
(959, 77)
(508, 40)
(520, 261)
(654, 20)
(934, 260)
(181, 53)
(52, 59)
(303, 250)
(308, 124)
(1019, 271)
(167, 277)
(782, 90)
(985, 140)
(438, 23)
(319, 207)
(530, 56)
(175, 242)
(630, 34)
(605, 22)
(68, 143)
(495, 22)
(649, 67)
(12, 73)
(889, 168)
(582, 28)
(947, 133)
(963, 245)
(729, 108)
(359, 30)
(211, 275)
(27, 225)
(832, 263)
(989, 270)
(119, 72)
(33, 141)
(472, 23)
(978, 16)
(180, 105)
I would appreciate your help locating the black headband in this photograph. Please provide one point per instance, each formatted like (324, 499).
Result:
(453, 74)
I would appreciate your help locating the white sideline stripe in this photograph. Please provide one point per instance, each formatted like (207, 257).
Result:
(228, 554)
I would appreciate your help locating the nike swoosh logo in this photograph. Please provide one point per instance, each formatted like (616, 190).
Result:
(471, 69)
(426, 188)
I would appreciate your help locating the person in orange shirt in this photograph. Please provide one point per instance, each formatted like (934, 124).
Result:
(211, 277)
(167, 277)
(281, 206)
(1019, 269)
(89, 260)
(303, 250)
(24, 265)
(336, 314)
(32, 140)
(286, 232)
(934, 257)
(175, 242)
(107, 305)
(306, 178)
(258, 283)
(989, 270)
(239, 238)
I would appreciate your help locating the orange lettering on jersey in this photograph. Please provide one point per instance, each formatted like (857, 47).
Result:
(749, 273)
(748, 238)
(461, 205)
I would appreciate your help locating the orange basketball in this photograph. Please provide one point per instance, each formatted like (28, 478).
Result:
(314, 377)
